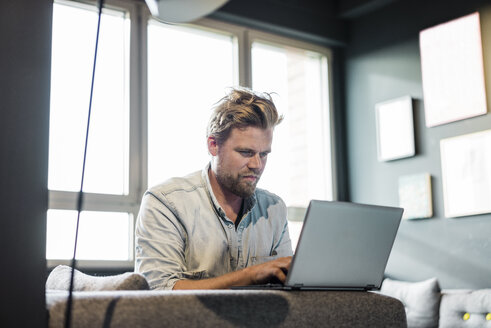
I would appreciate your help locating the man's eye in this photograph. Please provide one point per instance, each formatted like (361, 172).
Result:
(263, 155)
(246, 153)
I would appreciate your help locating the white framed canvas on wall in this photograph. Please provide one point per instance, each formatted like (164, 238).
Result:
(395, 130)
(415, 196)
(466, 174)
(452, 71)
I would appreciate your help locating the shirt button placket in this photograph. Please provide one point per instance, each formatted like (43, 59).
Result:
(239, 242)
(233, 245)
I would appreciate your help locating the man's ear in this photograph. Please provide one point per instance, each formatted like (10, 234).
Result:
(212, 145)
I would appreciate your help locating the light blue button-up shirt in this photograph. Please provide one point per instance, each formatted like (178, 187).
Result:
(183, 233)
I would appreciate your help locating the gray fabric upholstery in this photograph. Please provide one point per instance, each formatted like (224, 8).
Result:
(227, 308)
(59, 279)
(477, 304)
(421, 300)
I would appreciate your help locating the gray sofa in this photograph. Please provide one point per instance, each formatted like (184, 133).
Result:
(102, 302)
(125, 301)
(428, 306)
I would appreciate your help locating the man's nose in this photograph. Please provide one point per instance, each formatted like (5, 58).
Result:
(255, 162)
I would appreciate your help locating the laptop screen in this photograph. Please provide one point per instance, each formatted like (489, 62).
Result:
(344, 245)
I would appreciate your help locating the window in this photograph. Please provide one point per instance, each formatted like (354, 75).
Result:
(152, 100)
(106, 224)
(102, 235)
(300, 166)
(74, 32)
(183, 85)
(298, 80)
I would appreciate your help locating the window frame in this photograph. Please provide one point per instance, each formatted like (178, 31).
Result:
(129, 203)
(277, 40)
(139, 16)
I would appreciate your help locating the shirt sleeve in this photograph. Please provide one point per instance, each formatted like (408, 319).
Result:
(159, 243)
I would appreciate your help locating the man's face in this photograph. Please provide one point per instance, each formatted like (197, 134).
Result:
(239, 162)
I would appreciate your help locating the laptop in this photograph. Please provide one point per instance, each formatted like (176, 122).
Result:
(342, 246)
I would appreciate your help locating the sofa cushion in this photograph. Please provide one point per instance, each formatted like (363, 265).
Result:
(59, 279)
(421, 300)
(466, 309)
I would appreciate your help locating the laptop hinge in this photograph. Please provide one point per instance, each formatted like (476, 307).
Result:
(370, 287)
(297, 286)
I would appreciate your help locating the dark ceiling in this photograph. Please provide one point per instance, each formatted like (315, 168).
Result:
(320, 21)
(342, 9)
(355, 8)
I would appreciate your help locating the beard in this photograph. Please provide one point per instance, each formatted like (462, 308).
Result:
(237, 184)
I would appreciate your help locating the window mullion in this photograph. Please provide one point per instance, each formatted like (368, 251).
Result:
(329, 132)
(139, 112)
(65, 200)
(138, 102)
(245, 59)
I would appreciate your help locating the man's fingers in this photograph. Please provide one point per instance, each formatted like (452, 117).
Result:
(275, 269)
(285, 262)
(280, 274)
(281, 267)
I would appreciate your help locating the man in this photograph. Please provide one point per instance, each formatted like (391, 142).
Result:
(213, 228)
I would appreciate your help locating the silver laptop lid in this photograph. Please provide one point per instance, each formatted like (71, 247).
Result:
(344, 245)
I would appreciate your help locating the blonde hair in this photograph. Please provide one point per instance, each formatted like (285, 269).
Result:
(242, 108)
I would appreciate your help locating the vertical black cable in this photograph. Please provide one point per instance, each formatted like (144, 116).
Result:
(68, 310)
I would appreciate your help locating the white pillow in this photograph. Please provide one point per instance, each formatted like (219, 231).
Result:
(421, 300)
(59, 279)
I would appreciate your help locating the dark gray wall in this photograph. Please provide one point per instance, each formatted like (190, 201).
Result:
(383, 62)
(25, 41)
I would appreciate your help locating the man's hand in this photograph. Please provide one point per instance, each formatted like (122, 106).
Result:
(256, 274)
(275, 270)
